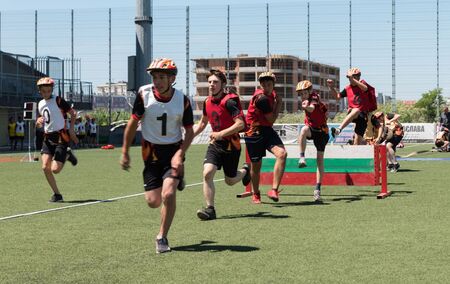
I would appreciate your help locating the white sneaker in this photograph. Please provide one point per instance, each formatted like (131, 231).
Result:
(162, 245)
(335, 132)
(302, 163)
(316, 195)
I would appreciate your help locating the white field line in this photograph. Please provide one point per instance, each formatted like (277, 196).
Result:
(84, 204)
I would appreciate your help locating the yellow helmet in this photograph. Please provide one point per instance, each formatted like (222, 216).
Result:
(45, 81)
(267, 76)
(354, 71)
(303, 85)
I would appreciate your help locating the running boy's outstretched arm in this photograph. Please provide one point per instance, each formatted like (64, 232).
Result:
(201, 126)
(73, 116)
(128, 136)
(355, 82)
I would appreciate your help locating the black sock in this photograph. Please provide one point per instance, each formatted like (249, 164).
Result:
(210, 207)
(318, 185)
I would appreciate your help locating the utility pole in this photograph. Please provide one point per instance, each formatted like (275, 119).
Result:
(437, 62)
(187, 52)
(144, 39)
(394, 99)
(109, 67)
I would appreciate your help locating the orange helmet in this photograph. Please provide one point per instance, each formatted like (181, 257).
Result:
(354, 71)
(163, 64)
(303, 85)
(45, 81)
(267, 76)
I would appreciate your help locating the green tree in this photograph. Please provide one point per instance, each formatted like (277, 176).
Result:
(428, 103)
(408, 113)
(101, 116)
(288, 118)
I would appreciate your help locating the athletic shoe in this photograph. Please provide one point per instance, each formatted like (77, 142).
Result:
(390, 167)
(273, 194)
(181, 184)
(206, 213)
(247, 178)
(301, 163)
(256, 198)
(395, 168)
(56, 198)
(335, 132)
(71, 157)
(316, 196)
(162, 245)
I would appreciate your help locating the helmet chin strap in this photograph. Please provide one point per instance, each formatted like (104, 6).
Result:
(166, 90)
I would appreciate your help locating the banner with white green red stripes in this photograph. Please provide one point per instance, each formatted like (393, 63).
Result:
(344, 165)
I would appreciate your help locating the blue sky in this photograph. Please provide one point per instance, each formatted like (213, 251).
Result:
(371, 35)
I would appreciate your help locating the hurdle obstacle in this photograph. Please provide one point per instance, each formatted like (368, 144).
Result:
(350, 165)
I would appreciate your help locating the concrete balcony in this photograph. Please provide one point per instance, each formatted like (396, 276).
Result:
(248, 84)
(287, 71)
(252, 69)
(199, 98)
(201, 84)
(201, 70)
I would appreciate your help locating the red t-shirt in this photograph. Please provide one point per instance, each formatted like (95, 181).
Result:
(260, 105)
(222, 112)
(318, 117)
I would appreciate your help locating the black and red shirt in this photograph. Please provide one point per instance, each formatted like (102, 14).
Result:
(318, 117)
(222, 112)
(356, 97)
(260, 105)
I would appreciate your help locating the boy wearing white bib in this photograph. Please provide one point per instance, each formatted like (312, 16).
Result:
(163, 111)
(55, 151)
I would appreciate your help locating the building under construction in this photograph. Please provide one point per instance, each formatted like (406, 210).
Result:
(243, 71)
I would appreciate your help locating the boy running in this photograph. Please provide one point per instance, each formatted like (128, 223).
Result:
(163, 112)
(263, 111)
(55, 149)
(358, 104)
(315, 128)
(224, 112)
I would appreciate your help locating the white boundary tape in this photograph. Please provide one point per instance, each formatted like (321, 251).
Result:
(84, 204)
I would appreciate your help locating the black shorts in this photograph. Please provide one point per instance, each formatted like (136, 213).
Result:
(320, 138)
(395, 140)
(360, 123)
(20, 138)
(258, 143)
(219, 157)
(55, 147)
(158, 163)
(93, 135)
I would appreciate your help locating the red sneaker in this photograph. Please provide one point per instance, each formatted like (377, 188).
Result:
(256, 198)
(273, 194)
